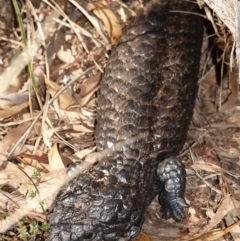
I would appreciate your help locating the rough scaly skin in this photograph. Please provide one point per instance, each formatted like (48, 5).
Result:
(150, 83)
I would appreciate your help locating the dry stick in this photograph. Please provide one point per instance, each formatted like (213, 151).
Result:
(90, 160)
(93, 158)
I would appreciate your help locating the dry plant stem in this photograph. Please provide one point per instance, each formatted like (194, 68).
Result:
(8, 197)
(188, 149)
(14, 123)
(92, 158)
(23, 138)
(224, 125)
(14, 42)
(187, 12)
(221, 81)
(30, 11)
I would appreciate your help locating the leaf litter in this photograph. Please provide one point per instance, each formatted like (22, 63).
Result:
(68, 56)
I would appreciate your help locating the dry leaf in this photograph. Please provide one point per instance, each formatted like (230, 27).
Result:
(11, 138)
(81, 154)
(207, 167)
(142, 237)
(63, 48)
(48, 188)
(38, 162)
(50, 184)
(82, 128)
(55, 160)
(65, 101)
(13, 99)
(109, 19)
(69, 115)
(12, 175)
(88, 88)
(12, 110)
(47, 134)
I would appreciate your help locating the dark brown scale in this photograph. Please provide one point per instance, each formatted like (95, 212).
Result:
(150, 83)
